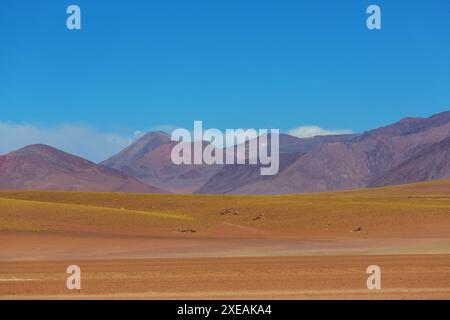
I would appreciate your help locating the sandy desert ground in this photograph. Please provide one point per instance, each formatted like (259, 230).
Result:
(312, 246)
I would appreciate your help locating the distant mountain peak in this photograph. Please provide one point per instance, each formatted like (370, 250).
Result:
(155, 135)
(148, 159)
(410, 125)
(138, 149)
(37, 148)
(43, 152)
(43, 167)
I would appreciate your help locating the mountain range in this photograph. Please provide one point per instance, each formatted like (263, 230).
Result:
(410, 150)
(149, 160)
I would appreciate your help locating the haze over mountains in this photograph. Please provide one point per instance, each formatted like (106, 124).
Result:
(411, 150)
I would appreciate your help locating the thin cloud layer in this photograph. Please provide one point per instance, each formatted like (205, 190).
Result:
(95, 145)
(312, 131)
(82, 141)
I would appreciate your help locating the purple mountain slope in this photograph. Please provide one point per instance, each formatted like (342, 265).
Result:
(413, 149)
(149, 160)
(42, 167)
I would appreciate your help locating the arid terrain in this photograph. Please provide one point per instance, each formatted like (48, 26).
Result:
(158, 246)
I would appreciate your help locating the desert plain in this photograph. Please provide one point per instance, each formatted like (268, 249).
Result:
(166, 246)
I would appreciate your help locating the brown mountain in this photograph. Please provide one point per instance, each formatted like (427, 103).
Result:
(149, 160)
(430, 163)
(234, 177)
(137, 150)
(413, 149)
(45, 168)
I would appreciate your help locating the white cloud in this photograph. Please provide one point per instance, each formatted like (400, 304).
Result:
(96, 145)
(82, 141)
(138, 134)
(168, 128)
(312, 131)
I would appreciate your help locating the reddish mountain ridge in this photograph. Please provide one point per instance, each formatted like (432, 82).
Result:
(149, 160)
(42, 167)
(411, 150)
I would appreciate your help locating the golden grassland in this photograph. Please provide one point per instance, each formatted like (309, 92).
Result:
(417, 209)
(139, 246)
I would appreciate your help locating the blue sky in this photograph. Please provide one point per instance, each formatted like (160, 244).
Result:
(137, 66)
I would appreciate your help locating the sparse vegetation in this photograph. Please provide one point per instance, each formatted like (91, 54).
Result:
(410, 208)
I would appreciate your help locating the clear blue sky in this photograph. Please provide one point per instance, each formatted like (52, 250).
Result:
(136, 65)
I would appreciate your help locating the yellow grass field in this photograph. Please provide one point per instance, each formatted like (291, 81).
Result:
(152, 246)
